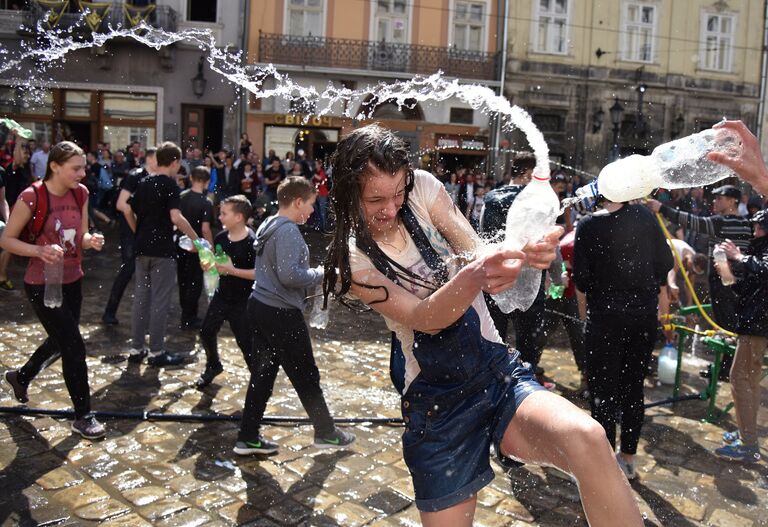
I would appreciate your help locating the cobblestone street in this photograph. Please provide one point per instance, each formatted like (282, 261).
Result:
(174, 474)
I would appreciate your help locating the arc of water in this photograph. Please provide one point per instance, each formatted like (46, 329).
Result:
(58, 44)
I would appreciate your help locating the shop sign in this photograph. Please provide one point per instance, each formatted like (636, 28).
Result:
(448, 142)
(465, 144)
(306, 120)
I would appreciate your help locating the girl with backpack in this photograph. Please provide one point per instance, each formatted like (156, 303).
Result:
(396, 245)
(49, 224)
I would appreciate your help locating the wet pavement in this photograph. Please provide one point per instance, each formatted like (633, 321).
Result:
(178, 474)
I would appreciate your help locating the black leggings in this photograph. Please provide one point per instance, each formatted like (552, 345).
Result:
(63, 340)
(236, 313)
(618, 349)
(281, 338)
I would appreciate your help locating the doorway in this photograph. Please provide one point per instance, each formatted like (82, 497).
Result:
(202, 127)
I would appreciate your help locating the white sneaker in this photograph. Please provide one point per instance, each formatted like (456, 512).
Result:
(627, 468)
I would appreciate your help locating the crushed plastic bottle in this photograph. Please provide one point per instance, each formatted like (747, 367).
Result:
(531, 216)
(185, 242)
(681, 163)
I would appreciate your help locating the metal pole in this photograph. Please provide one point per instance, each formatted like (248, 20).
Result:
(494, 157)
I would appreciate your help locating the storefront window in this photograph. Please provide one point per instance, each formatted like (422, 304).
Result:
(314, 141)
(130, 106)
(35, 101)
(41, 130)
(120, 137)
(77, 103)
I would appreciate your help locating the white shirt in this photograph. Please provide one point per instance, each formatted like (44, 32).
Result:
(425, 188)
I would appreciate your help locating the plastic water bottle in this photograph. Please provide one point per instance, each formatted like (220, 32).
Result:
(531, 216)
(722, 266)
(54, 275)
(681, 163)
(211, 276)
(318, 318)
(667, 364)
(697, 346)
(185, 242)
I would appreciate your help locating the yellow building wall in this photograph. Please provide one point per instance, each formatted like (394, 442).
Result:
(598, 24)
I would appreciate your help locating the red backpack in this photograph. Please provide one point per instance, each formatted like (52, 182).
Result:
(41, 209)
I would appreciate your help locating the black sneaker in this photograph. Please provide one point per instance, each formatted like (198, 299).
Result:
(89, 427)
(109, 319)
(136, 356)
(165, 359)
(336, 439)
(207, 376)
(258, 446)
(19, 390)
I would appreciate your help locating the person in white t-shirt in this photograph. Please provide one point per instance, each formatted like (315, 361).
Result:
(39, 161)
(401, 247)
(695, 265)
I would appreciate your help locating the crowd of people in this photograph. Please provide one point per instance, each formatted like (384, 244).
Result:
(400, 240)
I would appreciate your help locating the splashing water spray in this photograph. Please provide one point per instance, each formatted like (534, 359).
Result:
(532, 214)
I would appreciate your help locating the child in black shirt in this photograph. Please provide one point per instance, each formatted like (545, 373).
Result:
(230, 302)
(198, 210)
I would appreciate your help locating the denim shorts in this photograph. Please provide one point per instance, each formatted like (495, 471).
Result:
(450, 429)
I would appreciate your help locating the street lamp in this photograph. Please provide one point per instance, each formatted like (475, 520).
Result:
(198, 81)
(616, 111)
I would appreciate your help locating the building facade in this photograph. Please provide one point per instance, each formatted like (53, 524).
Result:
(125, 91)
(607, 78)
(359, 44)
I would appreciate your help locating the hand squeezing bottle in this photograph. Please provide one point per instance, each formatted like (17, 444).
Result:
(531, 216)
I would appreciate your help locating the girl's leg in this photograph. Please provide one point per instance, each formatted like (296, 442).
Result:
(549, 430)
(459, 515)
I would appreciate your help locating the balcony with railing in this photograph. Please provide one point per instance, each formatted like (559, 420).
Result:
(114, 14)
(318, 52)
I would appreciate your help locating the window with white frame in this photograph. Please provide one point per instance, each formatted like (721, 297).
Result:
(551, 26)
(639, 31)
(469, 25)
(305, 18)
(717, 31)
(391, 21)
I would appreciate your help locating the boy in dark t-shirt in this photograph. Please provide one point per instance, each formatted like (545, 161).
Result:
(197, 208)
(156, 205)
(230, 302)
(127, 222)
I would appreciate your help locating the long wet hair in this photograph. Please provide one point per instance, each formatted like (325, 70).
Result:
(60, 153)
(357, 154)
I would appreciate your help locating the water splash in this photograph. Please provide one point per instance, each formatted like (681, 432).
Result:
(52, 47)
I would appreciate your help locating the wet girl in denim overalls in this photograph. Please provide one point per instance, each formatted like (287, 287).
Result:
(395, 245)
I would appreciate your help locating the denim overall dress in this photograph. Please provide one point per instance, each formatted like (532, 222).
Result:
(461, 402)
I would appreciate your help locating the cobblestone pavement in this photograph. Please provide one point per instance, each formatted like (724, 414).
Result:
(173, 474)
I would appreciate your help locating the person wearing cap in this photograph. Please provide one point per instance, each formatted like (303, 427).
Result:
(725, 223)
(750, 267)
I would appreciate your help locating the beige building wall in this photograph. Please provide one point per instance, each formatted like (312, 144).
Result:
(575, 85)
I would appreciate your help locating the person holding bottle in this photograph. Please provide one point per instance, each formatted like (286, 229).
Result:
(750, 270)
(396, 240)
(61, 241)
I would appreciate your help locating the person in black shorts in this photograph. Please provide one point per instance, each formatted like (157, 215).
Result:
(197, 208)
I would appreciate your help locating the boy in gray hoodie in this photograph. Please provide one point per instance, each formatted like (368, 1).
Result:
(280, 334)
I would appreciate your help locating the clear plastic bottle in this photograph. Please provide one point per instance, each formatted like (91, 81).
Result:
(531, 216)
(54, 275)
(667, 364)
(681, 163)
(722, 266)
(318, 318)
(185, 242)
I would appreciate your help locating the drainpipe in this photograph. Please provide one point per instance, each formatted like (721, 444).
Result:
(244, 32)
(496, 133)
